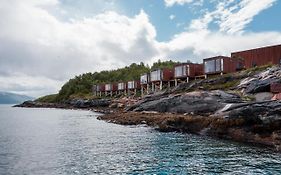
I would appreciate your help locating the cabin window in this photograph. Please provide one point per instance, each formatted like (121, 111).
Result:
(218, 65)
(209, 66)
(121, 86)
(108, 87)
(155, 75)
(222, 65)
(131, 85)
(143, 79)
(180, 71)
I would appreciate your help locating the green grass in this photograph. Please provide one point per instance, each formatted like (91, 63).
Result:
(80, 95)
(258, 68)
(48, 98)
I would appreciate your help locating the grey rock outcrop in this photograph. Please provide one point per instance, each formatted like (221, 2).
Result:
(260, 82)
(90, 103)
(198, 102)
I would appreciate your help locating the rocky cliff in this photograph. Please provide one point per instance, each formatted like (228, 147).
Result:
(232, 113)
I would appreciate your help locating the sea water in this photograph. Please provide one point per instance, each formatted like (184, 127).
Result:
(57, 141)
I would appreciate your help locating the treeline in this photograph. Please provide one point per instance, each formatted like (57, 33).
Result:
(81, 86)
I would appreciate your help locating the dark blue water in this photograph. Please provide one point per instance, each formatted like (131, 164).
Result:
(52, 141)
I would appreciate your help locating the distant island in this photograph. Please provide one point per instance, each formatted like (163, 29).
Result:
(12, 98)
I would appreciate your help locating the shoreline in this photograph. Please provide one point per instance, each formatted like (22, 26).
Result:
(98, 109)
(231, 126)
(214, 127)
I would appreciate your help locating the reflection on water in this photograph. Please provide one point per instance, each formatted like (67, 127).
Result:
(53, 141)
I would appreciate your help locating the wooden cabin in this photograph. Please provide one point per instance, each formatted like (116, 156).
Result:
(145, 78)
(186, 71)
(110, 89)
(145, 84)
(221, 65)
(122, 87)
(100, 89)
(259, 56)
(133, 86)
(160, 78)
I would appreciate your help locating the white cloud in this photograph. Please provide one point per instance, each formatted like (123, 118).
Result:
(170, 3)
(37, 44)
(31, 85)
(232, 21)
(232, 16)
(197, 45)
(38, 52)
(172, 17)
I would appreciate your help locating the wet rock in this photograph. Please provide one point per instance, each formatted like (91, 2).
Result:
(79, 103)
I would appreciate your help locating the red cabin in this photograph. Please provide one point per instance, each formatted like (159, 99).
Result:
(122, 86)
(111, 87)
(145, 78)
(221, 65)
(161, 75)
(100, 88)
(259, 56)
(188, 70)
(133, 85)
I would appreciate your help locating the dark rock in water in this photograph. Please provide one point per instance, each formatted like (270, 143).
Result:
(199, 103)
(79, 103)
(34, 104)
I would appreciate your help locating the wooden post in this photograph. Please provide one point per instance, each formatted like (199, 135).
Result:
(187, 79)
(176, 82)
(161, 85)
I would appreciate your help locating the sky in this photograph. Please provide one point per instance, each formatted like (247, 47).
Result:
(45, 43)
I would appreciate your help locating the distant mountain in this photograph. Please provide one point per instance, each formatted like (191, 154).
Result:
(11, 98)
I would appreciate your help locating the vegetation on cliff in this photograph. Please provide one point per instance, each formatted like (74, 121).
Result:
(81, 86)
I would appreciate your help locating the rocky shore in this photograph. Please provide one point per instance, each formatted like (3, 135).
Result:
(237, 129)
(99, 105)
(242, 111)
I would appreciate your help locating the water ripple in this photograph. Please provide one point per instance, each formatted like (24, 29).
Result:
(45, 141)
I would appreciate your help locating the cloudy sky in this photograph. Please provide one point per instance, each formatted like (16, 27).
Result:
(43, 43)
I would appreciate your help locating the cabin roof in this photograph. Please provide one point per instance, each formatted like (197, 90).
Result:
(182, 64)
(257, 48)
(211, 58)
